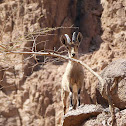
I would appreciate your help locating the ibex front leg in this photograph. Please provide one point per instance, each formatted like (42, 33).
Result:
(75, 100)
(71, 99)
(64, 99)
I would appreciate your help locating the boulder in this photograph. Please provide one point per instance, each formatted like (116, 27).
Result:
(116, 73)
(82, 113)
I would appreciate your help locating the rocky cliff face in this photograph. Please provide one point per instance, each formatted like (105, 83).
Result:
(19, 17)
(34, 95)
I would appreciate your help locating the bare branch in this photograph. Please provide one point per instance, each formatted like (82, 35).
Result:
(63, 57)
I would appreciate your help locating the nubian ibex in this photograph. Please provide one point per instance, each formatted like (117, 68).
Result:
(73, 77)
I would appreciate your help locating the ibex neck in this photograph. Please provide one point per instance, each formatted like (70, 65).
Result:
(72, 63)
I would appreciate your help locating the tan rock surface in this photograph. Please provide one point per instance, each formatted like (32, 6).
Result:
(104, 119)
(36, 92)
(116, 73)
(9, 114)
(82, 113)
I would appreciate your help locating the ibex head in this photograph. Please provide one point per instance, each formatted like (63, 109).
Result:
(72, 46)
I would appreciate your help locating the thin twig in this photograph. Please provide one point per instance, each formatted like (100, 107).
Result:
(63, 57)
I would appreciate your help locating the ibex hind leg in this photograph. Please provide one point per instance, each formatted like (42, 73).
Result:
(64, 99)
(70, 101)
(78, 97)
(71, 98)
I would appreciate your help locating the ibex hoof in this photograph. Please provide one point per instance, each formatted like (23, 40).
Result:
(70, 108)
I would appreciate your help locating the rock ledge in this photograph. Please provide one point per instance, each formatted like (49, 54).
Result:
(82, 113)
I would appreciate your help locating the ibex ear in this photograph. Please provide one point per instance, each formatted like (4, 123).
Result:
(79, 37)
(65, 39)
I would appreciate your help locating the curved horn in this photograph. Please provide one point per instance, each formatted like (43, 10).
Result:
(74, 37)
(68, 38)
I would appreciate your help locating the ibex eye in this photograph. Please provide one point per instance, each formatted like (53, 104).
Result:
(67, 47)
